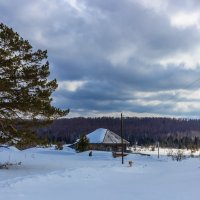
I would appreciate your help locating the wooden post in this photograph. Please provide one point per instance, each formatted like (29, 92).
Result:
(122, 139)
(158, 150)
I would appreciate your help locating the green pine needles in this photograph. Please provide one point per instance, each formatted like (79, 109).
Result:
(82, 144)
(25, 92)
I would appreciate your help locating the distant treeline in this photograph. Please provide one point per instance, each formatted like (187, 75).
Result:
(180, 133)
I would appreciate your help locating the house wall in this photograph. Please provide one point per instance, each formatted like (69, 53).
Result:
(106, 147)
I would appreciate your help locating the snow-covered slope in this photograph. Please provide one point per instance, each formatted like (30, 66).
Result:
(50, 174)
(97, 136)
(103, 135)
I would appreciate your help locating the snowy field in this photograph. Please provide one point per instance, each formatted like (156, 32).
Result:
(51, 174)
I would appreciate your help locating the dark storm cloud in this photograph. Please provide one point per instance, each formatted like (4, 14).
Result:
(116, 47)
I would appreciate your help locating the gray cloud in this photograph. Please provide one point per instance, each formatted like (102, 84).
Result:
(119, 48)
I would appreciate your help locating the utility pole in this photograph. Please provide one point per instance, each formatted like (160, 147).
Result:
(122, 139)
(158, 149)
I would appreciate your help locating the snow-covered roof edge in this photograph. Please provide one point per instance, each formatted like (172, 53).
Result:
(102, 135)
(97, 136)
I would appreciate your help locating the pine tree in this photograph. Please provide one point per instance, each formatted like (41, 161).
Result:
(25, 92)
(82, 144)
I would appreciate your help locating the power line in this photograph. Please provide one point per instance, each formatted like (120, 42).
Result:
(184, 88)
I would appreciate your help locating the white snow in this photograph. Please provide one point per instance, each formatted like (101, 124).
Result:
(51, 174)
(97, 136)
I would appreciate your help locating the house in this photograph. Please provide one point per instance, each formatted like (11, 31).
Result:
(105, 140)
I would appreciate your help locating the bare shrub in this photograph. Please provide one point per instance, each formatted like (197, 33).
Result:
(176, 156)
(7, 165)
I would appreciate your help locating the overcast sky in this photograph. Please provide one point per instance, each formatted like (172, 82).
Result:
(139, 57)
